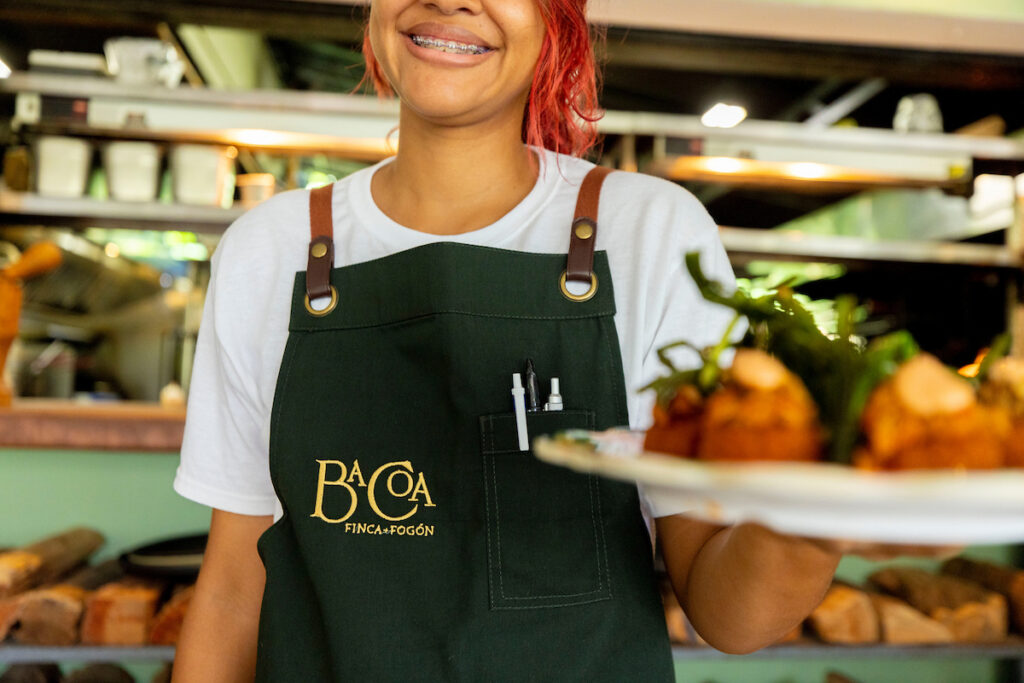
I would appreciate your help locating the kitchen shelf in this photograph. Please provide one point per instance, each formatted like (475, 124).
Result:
(798, 177)
(112, 426)
(350, 126)
(1012, 649)
(365, 113)
(19, 208)
(746, 243)
(15, 654)
(800, 135)
(37, 654)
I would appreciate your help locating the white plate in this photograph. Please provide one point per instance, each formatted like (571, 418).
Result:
(928, 507)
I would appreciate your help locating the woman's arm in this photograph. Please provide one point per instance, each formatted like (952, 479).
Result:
(218, 638)
(743, 587)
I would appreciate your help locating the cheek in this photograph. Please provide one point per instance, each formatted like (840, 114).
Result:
(381, 30)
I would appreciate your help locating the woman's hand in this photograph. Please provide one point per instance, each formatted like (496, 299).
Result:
(743, 587)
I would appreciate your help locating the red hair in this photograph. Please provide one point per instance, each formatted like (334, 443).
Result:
(562, 110)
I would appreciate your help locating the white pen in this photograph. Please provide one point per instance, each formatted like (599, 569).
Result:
(555, 398)
(519, 401)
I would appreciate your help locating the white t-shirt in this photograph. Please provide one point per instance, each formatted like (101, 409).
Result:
(645, 224)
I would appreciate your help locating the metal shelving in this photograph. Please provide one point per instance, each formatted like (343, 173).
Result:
(370, 116)
(38, 654)
(1009, 654)
(26, 207)
(1012, 649)
(793, 245)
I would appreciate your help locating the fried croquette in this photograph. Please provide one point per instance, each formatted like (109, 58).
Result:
(927, 417)
(1003, 389)
(761, 412)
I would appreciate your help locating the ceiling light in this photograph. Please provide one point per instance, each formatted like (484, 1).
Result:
(723, 164)
(723, 115)
(5, 70)
(807, 170)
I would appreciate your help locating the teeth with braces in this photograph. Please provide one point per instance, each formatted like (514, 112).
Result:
(449, 46)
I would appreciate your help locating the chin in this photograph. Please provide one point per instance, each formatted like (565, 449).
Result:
(449, 108)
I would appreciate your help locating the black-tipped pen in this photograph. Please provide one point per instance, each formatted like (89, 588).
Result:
(532, 387)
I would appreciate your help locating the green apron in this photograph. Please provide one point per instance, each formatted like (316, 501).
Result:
(418, 543)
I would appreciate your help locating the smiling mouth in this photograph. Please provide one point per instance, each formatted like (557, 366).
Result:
(449, 46)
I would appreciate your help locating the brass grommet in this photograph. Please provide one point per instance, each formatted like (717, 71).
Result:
(584, 230)
(585, 296)
(330, 307)
(319, 250)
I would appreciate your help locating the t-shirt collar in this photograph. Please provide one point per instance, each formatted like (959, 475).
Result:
(367, 215)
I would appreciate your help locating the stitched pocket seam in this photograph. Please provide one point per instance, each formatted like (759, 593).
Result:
(603, 589)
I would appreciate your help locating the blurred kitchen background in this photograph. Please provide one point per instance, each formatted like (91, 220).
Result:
(847, 146)
(872, 147)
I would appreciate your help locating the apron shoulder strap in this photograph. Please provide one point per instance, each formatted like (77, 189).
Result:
(321, 244)
(580, 263)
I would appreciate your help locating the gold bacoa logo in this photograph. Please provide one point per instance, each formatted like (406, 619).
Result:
(396, 479)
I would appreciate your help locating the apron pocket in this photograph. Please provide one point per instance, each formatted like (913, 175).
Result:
(545, 531)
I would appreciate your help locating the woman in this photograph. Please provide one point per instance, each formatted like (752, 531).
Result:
(414, 540)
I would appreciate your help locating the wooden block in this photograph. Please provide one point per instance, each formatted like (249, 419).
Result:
(976, 622)
(164, 675)
(901, 624)
(1007, 581)
(167, 623)
(100, 673)
(120, 613)
(972, 613)
(51, 615)
(845, 615)
(32, 673)
(46, 560)
(836, 677)
(8, 616)
(675, 619)
(794, 635)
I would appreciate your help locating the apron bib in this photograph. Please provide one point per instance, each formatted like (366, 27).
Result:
(418, 543)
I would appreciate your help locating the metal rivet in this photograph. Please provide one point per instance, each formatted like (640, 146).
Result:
(319, 250)
(584, 231)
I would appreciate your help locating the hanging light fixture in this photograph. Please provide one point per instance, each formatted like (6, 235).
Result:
(723, 115)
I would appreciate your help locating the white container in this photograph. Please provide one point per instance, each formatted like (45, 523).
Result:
(63, 165)
(143, 61)
(133, 170)
(254, 188)
(203, 174)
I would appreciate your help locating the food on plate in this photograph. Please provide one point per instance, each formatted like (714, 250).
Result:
(803, 394)
(762, 411)
(926, 416)
(759, 411)
(1003, 390)
(834, 373)
(676, 425)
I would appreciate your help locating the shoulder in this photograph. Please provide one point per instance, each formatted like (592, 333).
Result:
(648, 211)
(267, 226)
(653, 199)
(656, 195)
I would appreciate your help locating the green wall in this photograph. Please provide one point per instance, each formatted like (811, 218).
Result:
(128, 497)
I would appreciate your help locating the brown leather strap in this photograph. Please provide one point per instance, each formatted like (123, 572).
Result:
(321, 245)
(580, 263)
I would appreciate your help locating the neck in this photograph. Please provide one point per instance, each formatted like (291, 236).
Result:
(452, 179)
